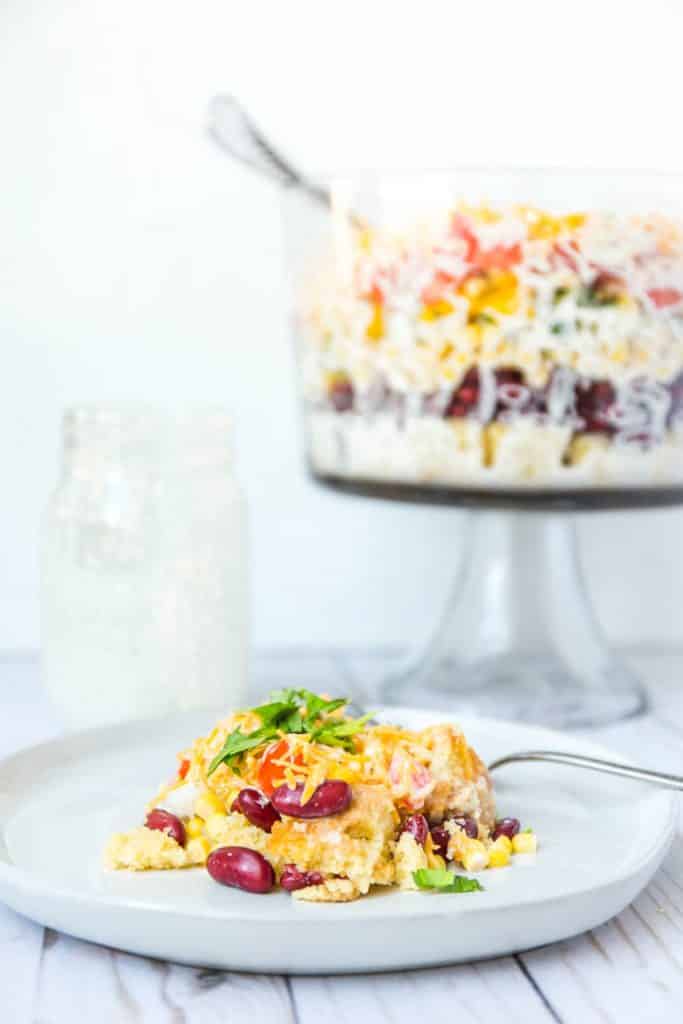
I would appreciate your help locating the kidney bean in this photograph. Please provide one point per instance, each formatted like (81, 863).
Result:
(341, 395)
(164, 821)
(241, 868)
(416, 825)
(506, 827)
(440, 839)
(292, 878)
(468, 825)
(256, 807)
(331, 797)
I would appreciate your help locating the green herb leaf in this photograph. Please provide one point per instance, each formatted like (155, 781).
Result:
(292, 712)
(445, 881)
(527, 830)
(596, 295)
(273, 714)
(283, 696)
(340, 733)
(432, 878)
(461, 883)
(312, 703)
(317, 706)
(238, 743)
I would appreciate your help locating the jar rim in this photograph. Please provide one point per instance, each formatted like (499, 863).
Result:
(126, 412)
(117, 426)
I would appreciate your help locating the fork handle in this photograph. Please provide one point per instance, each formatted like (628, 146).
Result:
(594, 764)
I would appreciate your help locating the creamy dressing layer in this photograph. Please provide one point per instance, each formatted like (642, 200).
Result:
(463, 453)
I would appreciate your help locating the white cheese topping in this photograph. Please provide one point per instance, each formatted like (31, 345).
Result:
(181, 801)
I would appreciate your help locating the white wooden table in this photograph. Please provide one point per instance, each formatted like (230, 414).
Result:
(630, 969)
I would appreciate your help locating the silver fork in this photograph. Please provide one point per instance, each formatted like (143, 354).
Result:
(595, 764)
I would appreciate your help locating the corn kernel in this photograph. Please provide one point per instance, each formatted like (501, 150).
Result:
(475, 856)
(491, 437)
(620, 353)
(434, 860)
(207, 804)
(194, 827)
(572, 221)
(375, 329)
(435, 310)
(581, 447)
(365, 239)
(499, 853)
(524, 842)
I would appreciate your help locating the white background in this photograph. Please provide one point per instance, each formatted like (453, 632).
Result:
(135, 261)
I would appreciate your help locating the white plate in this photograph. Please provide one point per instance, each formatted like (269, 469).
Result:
(601, 840)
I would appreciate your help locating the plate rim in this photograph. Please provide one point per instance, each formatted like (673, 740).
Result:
(15, 878)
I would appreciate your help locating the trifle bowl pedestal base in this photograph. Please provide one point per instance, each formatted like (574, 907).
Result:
(519, 638)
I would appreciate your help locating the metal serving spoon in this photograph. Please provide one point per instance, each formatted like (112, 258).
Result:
(237, 134)
(594, 764)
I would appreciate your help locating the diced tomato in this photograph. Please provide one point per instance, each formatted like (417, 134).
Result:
(270, 775)
(500, 257)
(374, 294)
(437, 287)
(662, 297)
(460, 227)
(183, 768)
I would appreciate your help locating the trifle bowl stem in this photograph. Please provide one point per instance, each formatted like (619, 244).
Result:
(519, 638)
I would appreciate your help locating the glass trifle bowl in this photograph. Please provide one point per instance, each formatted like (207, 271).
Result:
(510, 341)
(493, 335)
(506, 340)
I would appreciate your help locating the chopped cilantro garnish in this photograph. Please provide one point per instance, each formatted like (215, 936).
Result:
(445, 881)
(296, 712)
(340, 733)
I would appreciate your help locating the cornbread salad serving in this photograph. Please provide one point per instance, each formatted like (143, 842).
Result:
(499, 346)
(298, 794)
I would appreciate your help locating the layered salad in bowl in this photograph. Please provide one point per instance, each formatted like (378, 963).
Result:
(500, 346)
(296, 794)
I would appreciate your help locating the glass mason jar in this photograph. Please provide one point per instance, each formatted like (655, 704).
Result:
(144, 566)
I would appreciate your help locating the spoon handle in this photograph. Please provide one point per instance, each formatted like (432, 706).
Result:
(238, 135)
(595, 764)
